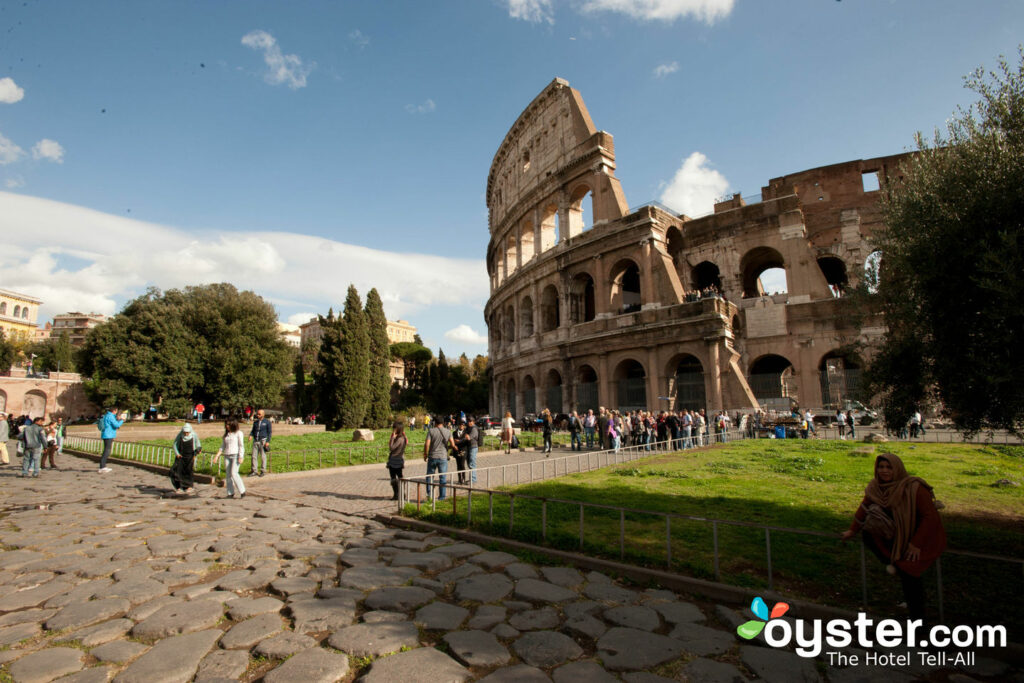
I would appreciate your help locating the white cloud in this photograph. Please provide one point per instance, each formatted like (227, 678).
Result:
(301, 318)
(359, 38)
(535, 11)
(707, 11)
(9, 152)
(695, 187)
(281, 68)
(425, 108)
(9, 91)
(14, 182)
(48, 149)
(466, 335)
(663, 70)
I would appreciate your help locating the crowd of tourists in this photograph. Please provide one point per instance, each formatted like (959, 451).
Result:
(37, 439)
(709, 292)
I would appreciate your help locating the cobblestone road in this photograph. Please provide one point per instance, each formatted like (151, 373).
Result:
(108, 577)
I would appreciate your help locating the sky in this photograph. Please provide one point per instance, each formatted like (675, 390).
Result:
(295, 148)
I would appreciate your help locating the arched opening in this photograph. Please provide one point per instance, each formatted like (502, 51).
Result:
(586, 389)
(510, 325)
(510, 254)
(549, 314)
(625, 293)
(549, 227)
(579, 218)
(526, 318)
(834, 270)
(764, 272)
(510, 397)
(24, 313)
(494, 331)
(840, 378)
(687, 375)
(34, 404)
(772, 377)
(631, 385)
(737, 327)
(674, 244)
(581, 300)
(706, 276)
(526, 240)
(3, 308)
(529, 395)
(554, 393)
(873, 271)
(17, 311)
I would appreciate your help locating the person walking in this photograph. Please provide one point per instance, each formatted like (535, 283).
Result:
(108, 426)
(396, 456)
(435, 451)
(186, 448)
(233, 449)
(5, 435)
(575, 430)
(548, 427)
(262, 431)
(34, 440)
(200, 409)
(849, 424)
(50, 431)
(476, 440)
(841, 424)
(507, 431)
(461, 452)
(613, 434)
(589, 425)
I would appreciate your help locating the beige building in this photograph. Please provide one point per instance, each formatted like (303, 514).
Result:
(42, 333)
(76, 324)
(594, 304)
(18, 314)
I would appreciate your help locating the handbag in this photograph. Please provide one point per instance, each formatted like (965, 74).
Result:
(878, 523)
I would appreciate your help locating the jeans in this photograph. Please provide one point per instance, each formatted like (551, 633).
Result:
(199, 418)
(589, 431)
(576, 441)
(259, 457)
(233, 482)
(30, 461)
(687, 439)
(472, 463)
(60, 444)
(435, 466)
(615, 443)
(547, 443)
(108, 444)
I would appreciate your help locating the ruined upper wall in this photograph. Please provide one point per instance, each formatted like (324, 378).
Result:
(539, 143)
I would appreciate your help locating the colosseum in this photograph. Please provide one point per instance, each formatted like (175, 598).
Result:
(596, 304)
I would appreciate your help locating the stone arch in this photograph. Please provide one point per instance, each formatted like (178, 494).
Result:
(511, 248)
(550, 227)
(509, 324)
(553, 396)
(550, 316)
(772, 376)
(3, 308)
(510, 396)
(834, 270)
(17, 310)
(626, 296)
(630, 385)
(577, 209)
(674, 245)
(24, 313)
(582, 304)
(526, 246)
(706, 274)
(587, 395)
(686, 379)
(529, 395)
(754, 264)
(526, 318)
(34, 403)
(839, 373)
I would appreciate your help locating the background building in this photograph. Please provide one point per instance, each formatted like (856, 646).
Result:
(76, 325)
(398, 331)
(18, 314)
(290, 333)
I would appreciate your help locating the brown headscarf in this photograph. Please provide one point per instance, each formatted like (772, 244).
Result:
(899, 497)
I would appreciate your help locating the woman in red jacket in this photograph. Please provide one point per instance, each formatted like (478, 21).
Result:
(901, 525)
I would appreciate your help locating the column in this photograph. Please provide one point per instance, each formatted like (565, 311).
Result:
(713, 376)
(648, 298)
(653, 380)
(604, 383)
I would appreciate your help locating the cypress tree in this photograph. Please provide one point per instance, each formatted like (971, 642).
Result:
(300, 389)
(379, 409)
(354, 386)
(330, 367)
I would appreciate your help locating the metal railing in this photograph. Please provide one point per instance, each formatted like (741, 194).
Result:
(162, 456)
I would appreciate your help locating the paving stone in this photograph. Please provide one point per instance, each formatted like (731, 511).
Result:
(118, 651)
(652, 596)
(542, 591)
(80, 614)
(223, 597)
(487, 616)
(315, 665)
(585, 625)
(313, 615)
(429, 584)
(368, 578)
(421, 664)
(629, 649)
(505, 631)
(85, 590)
(407, 544)
(244, 635)
(459, 550)
(521, 673)
(350, 594)
(43, 666)
(582, 672)
(284, 644)
(322, 574)
(546, 649)
(243, 608)
(247, 557)
(15, 559)
(643, 618)
(94, 674)
(431, 561)
(477, 648)
(101, 633)
(34, 596)
(246, 580)
(27, 615)
(174, 619)
(567, 577)
(582, 608)
(147, 609)
(293, 585)
(136, 591)
(494, 559)
(535, 619)
(679, 612)
(10, 635)
(483, 588)
(609, 592)
(374, 640)
(229, 664)
(779, 666)
(703, 670)
(195, 590)
(517, 605)
(460, 572)
(399, 599)
(383, 617)
(644, 677)
(172, 660)
(701, 640)
(441, 616)
(521, 570)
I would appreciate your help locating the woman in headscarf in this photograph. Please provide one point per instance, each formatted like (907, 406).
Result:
(186, 448)
(901, 525)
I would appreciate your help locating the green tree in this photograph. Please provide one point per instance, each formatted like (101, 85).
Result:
(329, 370)
(301, 406)
(952, 271)
(8, 353)
(378, 411)
(354, 380)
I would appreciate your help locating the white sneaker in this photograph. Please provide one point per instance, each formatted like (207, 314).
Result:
(106, 469)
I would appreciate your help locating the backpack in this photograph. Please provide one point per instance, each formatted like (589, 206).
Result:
(99, 422)
(479, 437)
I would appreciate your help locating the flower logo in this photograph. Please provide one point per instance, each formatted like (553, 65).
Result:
(752, 628)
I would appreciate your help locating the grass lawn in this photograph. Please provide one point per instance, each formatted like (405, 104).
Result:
(814, 485)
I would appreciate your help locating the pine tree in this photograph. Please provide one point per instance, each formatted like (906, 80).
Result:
(379, 408)
(300, 389)
(330, 367)
(354, 386)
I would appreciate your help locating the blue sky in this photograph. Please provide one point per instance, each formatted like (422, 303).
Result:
(292, 148)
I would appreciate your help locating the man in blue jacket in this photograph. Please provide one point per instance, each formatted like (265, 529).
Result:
(260, 435)
(109, 424)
